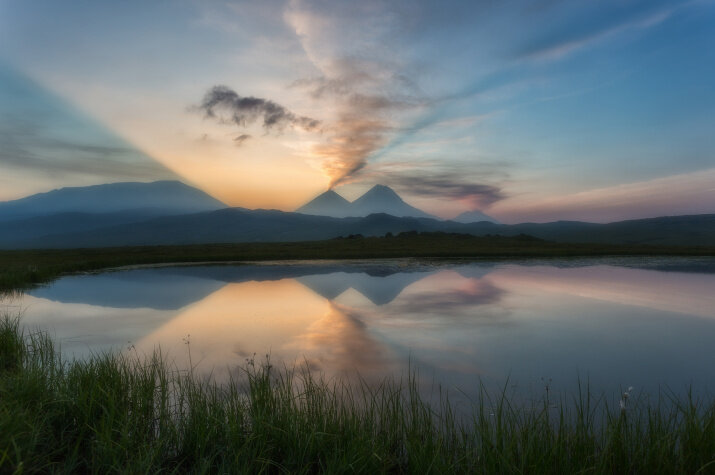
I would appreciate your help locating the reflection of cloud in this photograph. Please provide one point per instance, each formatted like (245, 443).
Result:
(665, 291)
(469, 294)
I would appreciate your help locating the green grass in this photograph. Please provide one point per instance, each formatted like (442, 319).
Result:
(23, 269)
(119, 413)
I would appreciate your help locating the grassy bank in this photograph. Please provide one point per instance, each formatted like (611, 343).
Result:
(22, 269)
(119, 413)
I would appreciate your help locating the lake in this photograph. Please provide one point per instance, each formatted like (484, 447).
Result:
(522, 325)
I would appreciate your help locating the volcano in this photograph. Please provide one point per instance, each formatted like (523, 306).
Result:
(327, 204)
(378, 199)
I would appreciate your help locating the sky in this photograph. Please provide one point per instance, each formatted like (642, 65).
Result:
(536, 111)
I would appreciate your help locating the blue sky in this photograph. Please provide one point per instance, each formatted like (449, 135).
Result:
(530, 111)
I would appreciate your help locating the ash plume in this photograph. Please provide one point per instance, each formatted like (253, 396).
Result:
(366, 99)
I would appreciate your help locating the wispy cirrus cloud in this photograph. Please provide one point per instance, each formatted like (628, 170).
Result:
(689, 193)
(561, 44)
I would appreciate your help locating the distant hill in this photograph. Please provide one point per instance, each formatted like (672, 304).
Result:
(159, 198)
(12, 232)
(242, 225)
(474, 217)
(327, 204)
(378, 199)
(171, 212)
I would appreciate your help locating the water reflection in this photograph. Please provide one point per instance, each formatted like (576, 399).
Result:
(460, 324)
(678, 292)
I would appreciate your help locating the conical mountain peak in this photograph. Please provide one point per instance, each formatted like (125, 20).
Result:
(382, 188)
(474, 216)
(383, 199)
(330, 195)
(378, 199)
(381, 191)
(328, 203)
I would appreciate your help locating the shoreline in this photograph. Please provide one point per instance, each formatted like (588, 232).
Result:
(25, 268)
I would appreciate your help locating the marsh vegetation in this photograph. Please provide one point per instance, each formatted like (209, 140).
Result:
(123, 412)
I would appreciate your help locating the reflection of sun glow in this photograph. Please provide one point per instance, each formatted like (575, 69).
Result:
(340, 343)
(282, 318)
(237, 321)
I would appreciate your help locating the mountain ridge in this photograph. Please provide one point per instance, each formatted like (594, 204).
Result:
(233, 225)
(162, 197)
(171, 212)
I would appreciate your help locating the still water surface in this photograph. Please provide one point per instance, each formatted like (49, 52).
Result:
(616, 323)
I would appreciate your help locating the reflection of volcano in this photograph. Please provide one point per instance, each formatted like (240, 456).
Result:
(172, 288)
(453, 322)
(380, 290)
(141, 288)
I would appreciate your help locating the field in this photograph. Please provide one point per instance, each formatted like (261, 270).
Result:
(22, 269)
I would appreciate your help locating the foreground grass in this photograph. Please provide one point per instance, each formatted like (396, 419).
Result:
(23, 269)
(118, 413)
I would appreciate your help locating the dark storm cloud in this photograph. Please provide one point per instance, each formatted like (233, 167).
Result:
(225, 105)
(449, 185)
